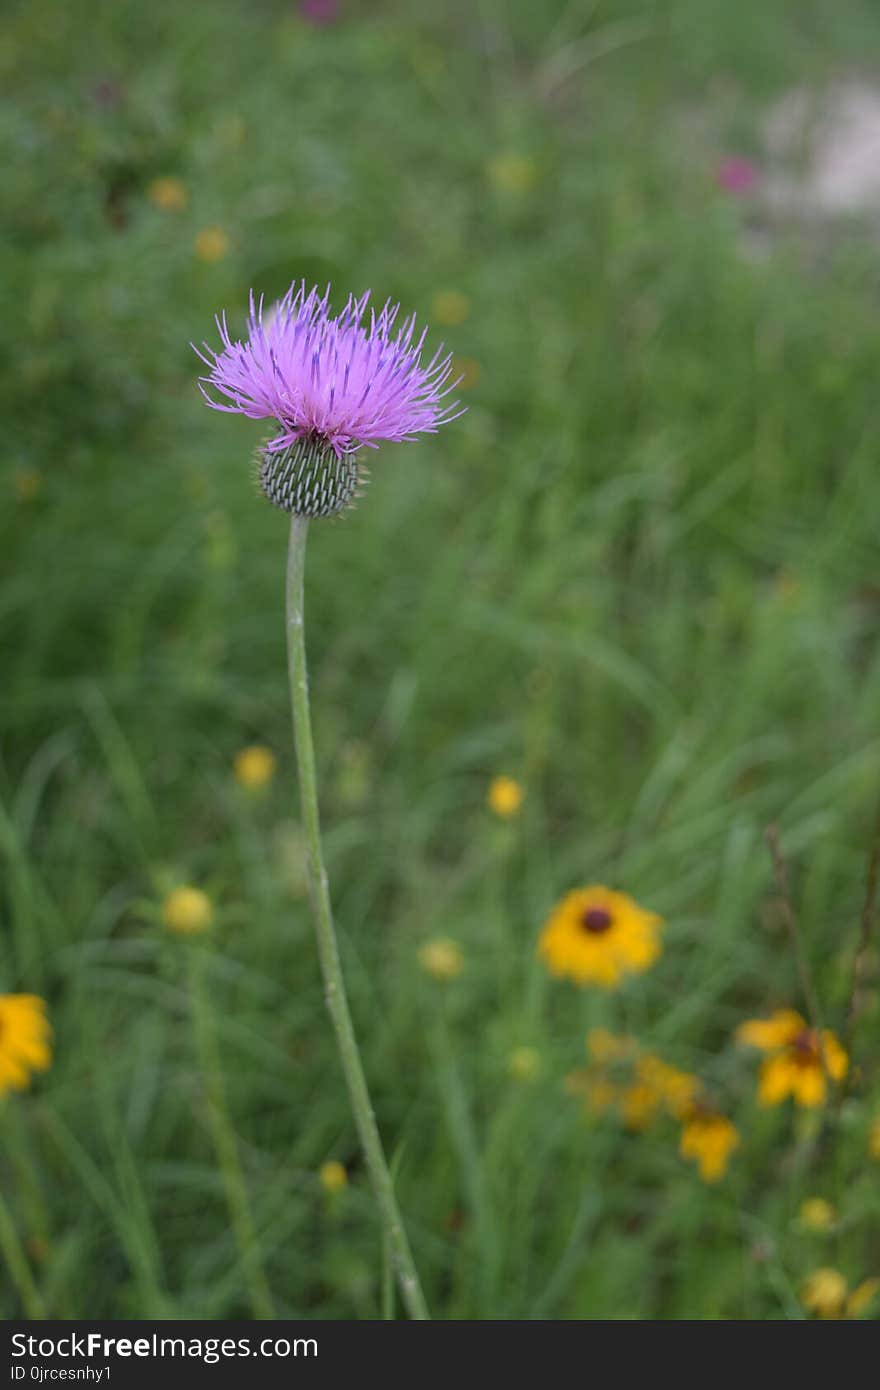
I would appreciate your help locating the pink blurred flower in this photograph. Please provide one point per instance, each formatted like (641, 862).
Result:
(320, 11)
(736, 175)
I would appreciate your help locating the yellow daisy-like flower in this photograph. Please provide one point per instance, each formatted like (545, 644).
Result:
(874, 1138)
(466, 371)
(512, 173)
(800, 1060)
(169, 194)
(505, 797)
(28, 483)
(25, 1040)
(708, 1138)
(604, 1046)
(442, 959)
(524, 1064)
(212, 244)
(639, 1104)
(187, 911)
(254, 767)
(824, 1293)
(675, 1090)
(861, 1298)
(597, 936)
(597, 1092)
(332, 1176)
(816, 1214)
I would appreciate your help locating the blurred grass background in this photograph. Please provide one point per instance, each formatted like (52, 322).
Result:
(639, 576)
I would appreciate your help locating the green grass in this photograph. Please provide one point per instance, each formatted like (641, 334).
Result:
(639, 575)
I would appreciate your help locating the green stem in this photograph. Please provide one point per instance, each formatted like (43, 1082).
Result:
(334, 984)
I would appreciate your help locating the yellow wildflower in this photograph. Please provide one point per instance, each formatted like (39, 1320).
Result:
(604, 1046)
(505, 797)
(709, 1139)
(874, 1138)
(639, 1104)
(861, 1298)
(816, 1214)
(466, 372)
(676, 1090)
(441, 958)
(524, 1063)
(597, 936)
(169, 194)
(333, 1176)
(595, 1089)
(450, 307)
(512, 172)
(211, 244)
(254, 766)
(800, 1059)
(824, 1293)
(187, 911)
(25, 1040)
(28, 484)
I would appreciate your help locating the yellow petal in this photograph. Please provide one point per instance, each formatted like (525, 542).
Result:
(808, 1085)
(776, 1080)
(767, 1034)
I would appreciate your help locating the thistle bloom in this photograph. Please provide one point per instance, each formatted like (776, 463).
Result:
(332, 385)
(596, 936)
(799, 1060)
(24, 1040)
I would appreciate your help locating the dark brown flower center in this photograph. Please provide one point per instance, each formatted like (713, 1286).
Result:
(805, 1048)
(596, 920)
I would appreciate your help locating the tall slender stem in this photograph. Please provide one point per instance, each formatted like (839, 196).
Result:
(331, 968)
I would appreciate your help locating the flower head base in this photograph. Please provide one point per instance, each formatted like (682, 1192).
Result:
(800, 1059)
(308, 479)
(596, 936)
(333, 385)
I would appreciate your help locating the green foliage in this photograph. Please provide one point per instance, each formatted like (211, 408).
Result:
(638, 576)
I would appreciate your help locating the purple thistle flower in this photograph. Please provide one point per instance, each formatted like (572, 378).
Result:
(736, 175)
(320, 11)
(332, 384)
